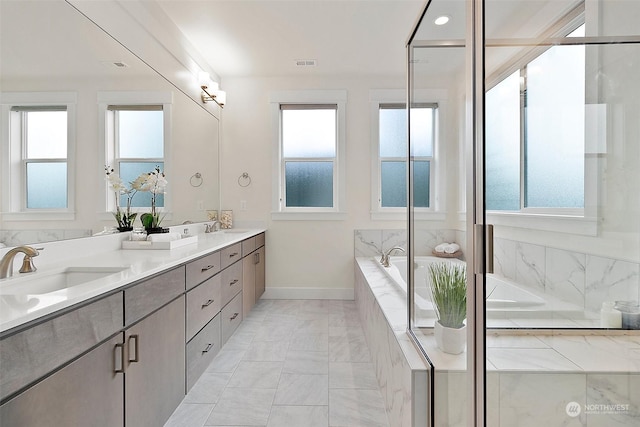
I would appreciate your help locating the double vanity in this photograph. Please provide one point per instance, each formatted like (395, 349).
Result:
(118, 338)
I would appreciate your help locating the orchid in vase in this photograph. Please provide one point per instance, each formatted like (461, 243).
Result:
(125, 219)
(154, 182)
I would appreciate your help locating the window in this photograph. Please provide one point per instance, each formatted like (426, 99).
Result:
(392, 154)
(38, 155)
(535, 139)
(310, 155)
(135, 125)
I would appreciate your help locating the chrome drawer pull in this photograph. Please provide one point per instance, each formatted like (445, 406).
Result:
(234, 316)
(233, 282)
(207, 304)
(233, 254)
(208, 267)
(206, 350)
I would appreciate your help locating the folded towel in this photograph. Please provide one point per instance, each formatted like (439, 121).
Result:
(440, 248)
(164, 237)
(452, 248)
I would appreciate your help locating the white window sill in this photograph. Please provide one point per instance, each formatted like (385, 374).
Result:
(106, 216)
(308, 216)
(556, 223)
(39, 216)
(401, 215)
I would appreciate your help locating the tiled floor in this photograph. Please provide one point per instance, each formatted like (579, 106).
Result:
(292, 363)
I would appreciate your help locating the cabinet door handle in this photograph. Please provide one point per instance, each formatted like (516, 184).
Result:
(233, 282)
(206, 350)
(207, 304)
(134, 347)
(233, 254)
(208, 267)
(234, 316)
(116, 359)
(256, 258)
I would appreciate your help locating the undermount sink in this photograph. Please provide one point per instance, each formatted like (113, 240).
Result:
(36, 284)
(233, 231)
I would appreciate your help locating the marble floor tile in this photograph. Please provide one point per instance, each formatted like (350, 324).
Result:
(302, 389)
(346, 319)
(189, 415)
(226, 361)
(242, 406)
(306, 362)
(314, 324)
(352, 375)
(274, 332)
(348, 349)
(356, 408)
(291, 416)
(267, 351)
(208, 388)
(303, 341)
(250, 374)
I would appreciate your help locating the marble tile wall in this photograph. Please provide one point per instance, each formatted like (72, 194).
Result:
(373, 242)
(583, 279)
(19, 237)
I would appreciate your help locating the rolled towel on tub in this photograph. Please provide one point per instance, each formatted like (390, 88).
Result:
(440, 248)
(164, 237)
(452, 248)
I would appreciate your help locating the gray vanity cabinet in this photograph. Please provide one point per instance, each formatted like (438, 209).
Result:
(154, 366)
(87, 392)
(253, 271)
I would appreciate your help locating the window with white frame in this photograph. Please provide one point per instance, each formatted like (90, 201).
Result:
(392, 154)
(535, 135)
(38, 155)
(136, 133)
(310, 155)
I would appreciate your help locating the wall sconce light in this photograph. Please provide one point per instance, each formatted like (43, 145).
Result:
(211, 91)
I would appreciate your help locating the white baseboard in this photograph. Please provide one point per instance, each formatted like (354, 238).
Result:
(309, 293)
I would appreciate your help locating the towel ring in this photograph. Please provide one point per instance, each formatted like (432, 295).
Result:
(196, 179)
(244, 180)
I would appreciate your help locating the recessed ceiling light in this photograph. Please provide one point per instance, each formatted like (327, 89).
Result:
(441, 20)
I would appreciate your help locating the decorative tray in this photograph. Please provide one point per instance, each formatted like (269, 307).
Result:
(144, 244)
(446, 255)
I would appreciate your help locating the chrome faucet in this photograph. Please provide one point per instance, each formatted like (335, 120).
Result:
(210, 228)
(6, 263)
(385, 255)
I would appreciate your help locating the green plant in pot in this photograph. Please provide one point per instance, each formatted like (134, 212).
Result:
(448, 287)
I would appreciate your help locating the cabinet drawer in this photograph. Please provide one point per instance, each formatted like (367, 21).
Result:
(201, 269)
(259, 240)
(248, 246)
(231, 282)
(34, 352)
(203, 303)
(201, 350)
(231, 316)
(147, 296)
(230, 255)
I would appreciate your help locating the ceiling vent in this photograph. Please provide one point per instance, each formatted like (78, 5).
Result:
(305, 62)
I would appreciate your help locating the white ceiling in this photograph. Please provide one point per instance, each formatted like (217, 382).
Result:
(265, 37)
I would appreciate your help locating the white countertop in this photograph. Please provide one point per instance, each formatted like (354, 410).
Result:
(17, 310)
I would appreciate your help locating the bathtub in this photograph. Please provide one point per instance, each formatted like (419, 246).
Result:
(502, 293)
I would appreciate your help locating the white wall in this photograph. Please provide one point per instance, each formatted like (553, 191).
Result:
(303, 254)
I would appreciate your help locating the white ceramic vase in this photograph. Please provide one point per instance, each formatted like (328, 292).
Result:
(450, 340)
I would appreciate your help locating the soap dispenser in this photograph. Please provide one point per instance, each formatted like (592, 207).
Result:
(609, 316)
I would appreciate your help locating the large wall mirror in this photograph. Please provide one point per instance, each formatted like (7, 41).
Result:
(48, 47)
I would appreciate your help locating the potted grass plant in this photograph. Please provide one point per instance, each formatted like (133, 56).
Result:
(448, 287)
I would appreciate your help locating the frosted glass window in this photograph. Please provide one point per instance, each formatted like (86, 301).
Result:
(309, 184)
(46, 134)
(309, 133)
(129, 171)
(393, 153)
(502, 180)
(46, 185)
(554, 139)
(140, 133)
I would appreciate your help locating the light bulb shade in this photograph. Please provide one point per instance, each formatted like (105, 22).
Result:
(203, 79)
(221, 96)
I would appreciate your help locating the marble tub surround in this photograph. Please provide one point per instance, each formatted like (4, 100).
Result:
(101, 251)
(581, 278)
(290, 363)
(402, 374)
(373, 242)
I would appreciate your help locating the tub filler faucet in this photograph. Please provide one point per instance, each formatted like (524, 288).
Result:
(384, 260)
